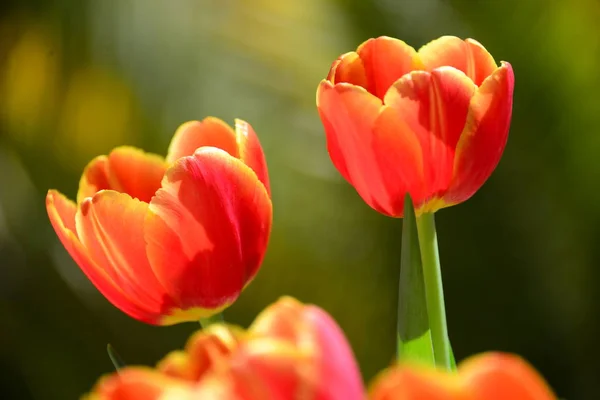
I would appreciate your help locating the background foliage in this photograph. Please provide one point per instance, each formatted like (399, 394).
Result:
(520, 259)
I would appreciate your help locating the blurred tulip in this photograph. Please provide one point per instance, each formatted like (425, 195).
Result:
(291, 351)
(176, 239)
(432, 123)
(489, 376)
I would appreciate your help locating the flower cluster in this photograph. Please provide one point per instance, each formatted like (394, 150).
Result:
(176, 239)
(296, 351)
(172, 239)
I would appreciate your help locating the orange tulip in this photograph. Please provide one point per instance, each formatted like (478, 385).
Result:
(176, 239)
(489, 376)
(291, 351)
(432, 123)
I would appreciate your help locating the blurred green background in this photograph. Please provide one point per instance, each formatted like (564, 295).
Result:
(520, 259)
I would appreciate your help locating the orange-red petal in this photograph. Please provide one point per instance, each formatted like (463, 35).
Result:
(126, 169)
(206, 349)
(370, 146)
(139, 384)
(386, 60)
(405, 383)
(192, 135)
(62, 212)
(251, 152)
(432, 106)
(94, 178)
(135, 172)
(495, 376)
(348, 68)
(482, 142)
(111, 226)
(208, 228)
(489, 376)
(468, 55)
(313, 332)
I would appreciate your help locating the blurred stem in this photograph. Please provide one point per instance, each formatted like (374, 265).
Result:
(115, 357)
(434, 291)
(213, 319)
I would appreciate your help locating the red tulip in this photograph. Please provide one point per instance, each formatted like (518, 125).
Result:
(175, 239)
(291, 351)
(489, 376)
(432, 123)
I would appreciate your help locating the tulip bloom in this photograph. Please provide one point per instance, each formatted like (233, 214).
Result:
(291, 351)
(489, 376)
(176, 239)
(432, 123)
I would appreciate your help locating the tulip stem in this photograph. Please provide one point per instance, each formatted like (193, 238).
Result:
(213, 319)
(434, 292)
(115, 358)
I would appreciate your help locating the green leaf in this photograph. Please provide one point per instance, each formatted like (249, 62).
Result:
(414, 335)
(452, 359)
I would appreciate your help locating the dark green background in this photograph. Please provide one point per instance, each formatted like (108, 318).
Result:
(520, 259)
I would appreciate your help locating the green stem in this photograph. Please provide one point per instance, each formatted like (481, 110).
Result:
(434, 292)
(213, 319)
(115, 357)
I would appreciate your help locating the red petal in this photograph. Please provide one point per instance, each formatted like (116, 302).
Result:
(338, 371)
(385, 61)
(111, 226)
(140, 384)
(483, 140)
(348, 68)
(251, 152)
(208, 228)
(61, 212)
(499, 376)
(127, 170)
(433, 107)
(135, 172)
(370, 146)
(94, 178)
(469, 56)
(416, 384)
(204, 351)
(310, 329)
(195, 134)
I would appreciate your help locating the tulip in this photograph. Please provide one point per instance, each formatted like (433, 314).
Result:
(432, 123)
(489, 376)
(176, 239)
(291, 351)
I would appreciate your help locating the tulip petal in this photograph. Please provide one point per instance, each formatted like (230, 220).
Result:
(348, 68)
(208, 228)
(432, 106)
(94, 178)
(416, 384)
(135, 172)
(370, 146)
(140, 384)
(483, 140)
(251, 152)
(203, 351)
(315, 333)
(338, 366)
(192, 135)
(386, 60)
(111, 226)
(500, 376)
(126, 169)
(270, 369)
(468, 55)
(62, 212)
